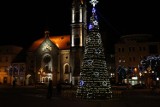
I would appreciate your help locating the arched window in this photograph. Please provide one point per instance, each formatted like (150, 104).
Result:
(66, 69)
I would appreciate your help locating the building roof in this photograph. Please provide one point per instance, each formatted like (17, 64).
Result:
(62, 42)
(21, 57)
(136, 37)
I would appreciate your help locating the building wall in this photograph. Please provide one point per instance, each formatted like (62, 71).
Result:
(58, 64)
(18, 73)
(46, 62)
(131, 49)
(7, 54)
(65, 74)
(30, 63)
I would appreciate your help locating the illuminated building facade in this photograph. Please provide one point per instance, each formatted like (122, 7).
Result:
(7, 55)
(48, 58)
(59, 57)
(129, 52)
(78, 35)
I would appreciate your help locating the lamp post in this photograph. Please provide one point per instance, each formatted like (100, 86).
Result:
(138, 74)
(40, 74)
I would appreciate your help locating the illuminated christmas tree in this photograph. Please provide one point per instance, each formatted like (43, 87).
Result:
(94, 82)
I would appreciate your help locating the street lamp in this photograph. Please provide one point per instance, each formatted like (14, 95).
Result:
(40, 73)
(135, 70)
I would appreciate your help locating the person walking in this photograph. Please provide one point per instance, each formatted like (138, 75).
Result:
(14, 83)
(49, 90)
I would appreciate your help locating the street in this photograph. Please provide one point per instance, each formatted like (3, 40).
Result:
(32, 97)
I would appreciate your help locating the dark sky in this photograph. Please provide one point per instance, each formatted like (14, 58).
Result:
(22, 22)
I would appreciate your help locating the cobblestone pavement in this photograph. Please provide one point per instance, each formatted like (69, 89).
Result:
(32, 97)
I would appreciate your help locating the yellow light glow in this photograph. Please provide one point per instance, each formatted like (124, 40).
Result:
(81, 1)
(135, 70)
(47, 47)
(57, 45)
(140, 74)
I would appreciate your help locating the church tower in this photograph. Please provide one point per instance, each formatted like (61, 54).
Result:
(78, 35)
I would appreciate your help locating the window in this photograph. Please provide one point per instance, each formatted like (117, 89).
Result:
(140, 48)
(66, 69)
(77, 41)
(130, 59)
(6, 59)
(144, 48)
(133, 48)
(122, 49)
(134, 58)
(76, 16)
(153, 49)
(6, 69)
(119, 49)
(129, 49)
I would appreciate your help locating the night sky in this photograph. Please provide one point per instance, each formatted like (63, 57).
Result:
(23, 22)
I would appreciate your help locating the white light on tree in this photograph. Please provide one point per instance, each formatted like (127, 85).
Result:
(94, 2)
(94, 81)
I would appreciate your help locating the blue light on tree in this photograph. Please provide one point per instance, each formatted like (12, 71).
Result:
(94, 81)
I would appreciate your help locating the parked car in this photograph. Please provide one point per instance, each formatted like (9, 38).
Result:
(66, 85)
(121, 86)
(40, 85)
(139, 86)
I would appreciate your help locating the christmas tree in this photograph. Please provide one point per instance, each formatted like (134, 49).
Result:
(94, 81)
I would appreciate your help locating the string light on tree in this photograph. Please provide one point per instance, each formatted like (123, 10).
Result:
(94, 81)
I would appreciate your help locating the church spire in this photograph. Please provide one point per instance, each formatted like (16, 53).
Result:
(78, 23)
(77, 3)
(46, 32)
(78, 35)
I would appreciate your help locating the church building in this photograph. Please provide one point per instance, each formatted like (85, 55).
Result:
(58, 58)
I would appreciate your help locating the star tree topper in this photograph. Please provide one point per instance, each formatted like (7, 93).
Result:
(94, 2)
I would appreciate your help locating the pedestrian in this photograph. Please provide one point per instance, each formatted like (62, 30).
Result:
(49, 90)
(14, 83)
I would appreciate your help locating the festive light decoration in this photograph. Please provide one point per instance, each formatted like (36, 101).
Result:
(151, 63)
(93, 19)
(94, 81)
(94, 2)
